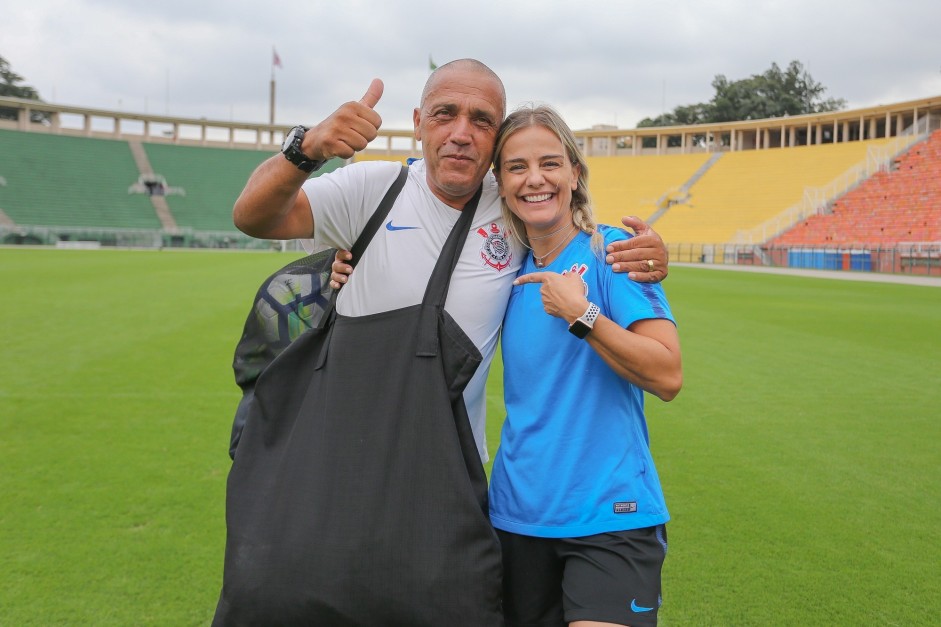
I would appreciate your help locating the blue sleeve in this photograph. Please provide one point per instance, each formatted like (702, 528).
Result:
(628, 301)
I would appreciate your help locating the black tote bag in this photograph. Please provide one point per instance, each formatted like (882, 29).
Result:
(357, 496)
(292, 300)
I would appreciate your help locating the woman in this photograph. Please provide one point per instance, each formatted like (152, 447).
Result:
(574, 493)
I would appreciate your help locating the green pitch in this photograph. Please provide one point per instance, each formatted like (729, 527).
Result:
(801, 460)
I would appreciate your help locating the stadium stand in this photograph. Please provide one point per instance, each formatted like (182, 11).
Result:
(638, 185)
(743, 189)
(58, 180)
(901, 205)
(717, 193)
(210, 177)
(114, 184)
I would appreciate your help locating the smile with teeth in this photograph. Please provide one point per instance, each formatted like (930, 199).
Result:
(537, 197)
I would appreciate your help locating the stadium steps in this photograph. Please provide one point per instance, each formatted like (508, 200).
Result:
(701, 172)
(632, 185)
(211, 178)
(668, 200)
(891, 207)
(58, 180)
(159, 203)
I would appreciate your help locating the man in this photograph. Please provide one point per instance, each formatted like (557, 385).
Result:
(357, 494)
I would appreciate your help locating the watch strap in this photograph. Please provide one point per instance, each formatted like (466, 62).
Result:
(591, 314)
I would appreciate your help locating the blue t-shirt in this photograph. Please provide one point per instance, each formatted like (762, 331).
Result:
(574, 457)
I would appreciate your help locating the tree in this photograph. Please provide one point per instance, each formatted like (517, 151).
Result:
(9, 87)
(680, 116)
(774, 93)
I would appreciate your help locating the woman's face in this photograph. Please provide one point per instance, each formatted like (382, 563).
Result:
(536, 179)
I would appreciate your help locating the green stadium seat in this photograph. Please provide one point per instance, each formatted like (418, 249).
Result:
(58, 180)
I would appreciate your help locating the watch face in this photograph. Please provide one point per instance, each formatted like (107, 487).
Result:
(289, 139)
(579, 329)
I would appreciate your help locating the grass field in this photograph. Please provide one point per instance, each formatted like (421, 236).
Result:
(801, 461)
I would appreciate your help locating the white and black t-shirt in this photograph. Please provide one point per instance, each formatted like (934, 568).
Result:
(398, 262)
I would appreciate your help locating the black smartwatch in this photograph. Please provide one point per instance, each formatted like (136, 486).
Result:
(585, 322)
(291, 149)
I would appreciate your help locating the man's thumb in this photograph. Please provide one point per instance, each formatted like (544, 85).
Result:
(373, 94)
(634, 223)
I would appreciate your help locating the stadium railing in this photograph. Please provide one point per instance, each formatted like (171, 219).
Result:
(914, 258)
(70, 236)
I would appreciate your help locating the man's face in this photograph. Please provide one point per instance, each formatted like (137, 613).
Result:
(457, 126)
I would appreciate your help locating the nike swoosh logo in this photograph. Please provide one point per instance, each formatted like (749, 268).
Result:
(639, 608)
(392, 227)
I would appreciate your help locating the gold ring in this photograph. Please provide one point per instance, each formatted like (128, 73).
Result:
(650, 264)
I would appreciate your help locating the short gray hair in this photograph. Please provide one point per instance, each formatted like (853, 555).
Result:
(464, 64)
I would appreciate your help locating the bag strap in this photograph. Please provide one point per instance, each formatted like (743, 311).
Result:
(436, 293)
(370, 230)
(377, 218)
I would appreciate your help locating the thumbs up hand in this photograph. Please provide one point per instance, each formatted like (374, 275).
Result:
(348, 129)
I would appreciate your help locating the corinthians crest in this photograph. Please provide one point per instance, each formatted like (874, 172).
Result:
(495, 251)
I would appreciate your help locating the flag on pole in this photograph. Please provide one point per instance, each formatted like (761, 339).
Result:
(431, 64)
(275, 59)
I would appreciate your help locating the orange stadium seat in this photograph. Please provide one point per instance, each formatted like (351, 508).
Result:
(898, 206)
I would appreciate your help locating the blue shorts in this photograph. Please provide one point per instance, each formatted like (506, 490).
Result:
(609, 577)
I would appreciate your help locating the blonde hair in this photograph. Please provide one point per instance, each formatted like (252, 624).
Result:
(582, 215)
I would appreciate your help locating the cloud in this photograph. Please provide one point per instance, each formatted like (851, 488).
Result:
(598, 61)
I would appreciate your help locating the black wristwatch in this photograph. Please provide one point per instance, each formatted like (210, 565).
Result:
(585, 322)
(291, 149)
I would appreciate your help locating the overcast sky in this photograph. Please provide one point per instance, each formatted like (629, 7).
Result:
(596, 61)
